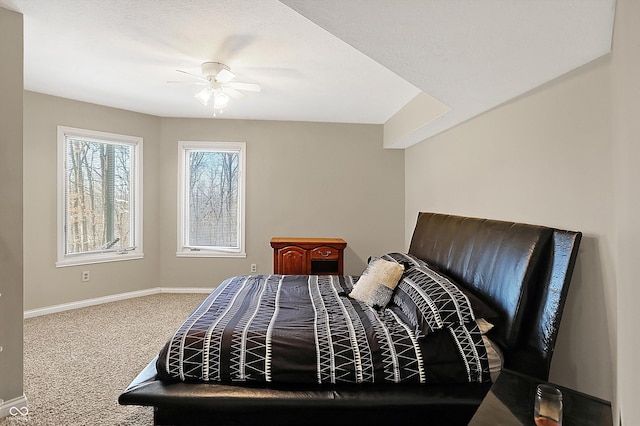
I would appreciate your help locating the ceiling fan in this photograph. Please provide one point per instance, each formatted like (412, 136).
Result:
(220, 85)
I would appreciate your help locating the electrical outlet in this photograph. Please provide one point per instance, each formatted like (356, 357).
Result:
(254, 267)
(86, 276)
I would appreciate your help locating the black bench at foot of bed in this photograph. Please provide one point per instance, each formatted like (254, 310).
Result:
(522, 270)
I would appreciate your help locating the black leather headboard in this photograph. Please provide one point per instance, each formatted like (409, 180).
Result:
(522, 271)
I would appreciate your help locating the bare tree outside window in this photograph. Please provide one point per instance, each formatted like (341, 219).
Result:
(98, 196)
(211, 198)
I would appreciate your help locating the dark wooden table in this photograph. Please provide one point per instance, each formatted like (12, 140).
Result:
(510, 402)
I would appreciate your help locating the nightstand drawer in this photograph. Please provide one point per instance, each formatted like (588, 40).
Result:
(324, 253)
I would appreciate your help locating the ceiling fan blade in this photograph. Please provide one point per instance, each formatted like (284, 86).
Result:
(225, 76)
(250, 87)
(193, 83)
(199, 77)
(233, 93)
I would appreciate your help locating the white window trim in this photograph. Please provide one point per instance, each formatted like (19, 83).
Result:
(183, 250)
(133, 253)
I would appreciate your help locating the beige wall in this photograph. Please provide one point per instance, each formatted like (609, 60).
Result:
(46, 285)
(545, 159)
(11, 259)
(626, 157)
(303, 179)
(564, 155)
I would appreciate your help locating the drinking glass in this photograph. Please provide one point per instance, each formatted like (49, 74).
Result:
(547, 409)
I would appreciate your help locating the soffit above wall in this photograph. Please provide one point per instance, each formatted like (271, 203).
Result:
(469, 55)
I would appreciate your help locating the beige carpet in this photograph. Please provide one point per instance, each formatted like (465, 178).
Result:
(76, 363)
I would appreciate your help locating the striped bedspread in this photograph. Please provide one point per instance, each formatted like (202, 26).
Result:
(305, 329)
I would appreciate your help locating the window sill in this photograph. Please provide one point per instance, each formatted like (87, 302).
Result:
(88, 260)
(209, 253)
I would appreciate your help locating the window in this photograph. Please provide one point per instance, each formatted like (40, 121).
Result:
(99, 197)
(211, 199)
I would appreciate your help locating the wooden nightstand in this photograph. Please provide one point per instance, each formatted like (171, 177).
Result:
(308, 256)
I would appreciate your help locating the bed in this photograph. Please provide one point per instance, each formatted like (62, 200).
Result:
(469, 297)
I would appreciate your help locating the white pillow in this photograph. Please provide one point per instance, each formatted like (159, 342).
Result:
(494, 354)
(484, 325)
(377, 282)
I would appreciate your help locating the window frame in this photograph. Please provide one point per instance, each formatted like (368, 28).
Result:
(136, 250)
(184, 250)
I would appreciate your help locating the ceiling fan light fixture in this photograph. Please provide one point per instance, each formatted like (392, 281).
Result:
(220, 100)
(221, 85)
(204, 95)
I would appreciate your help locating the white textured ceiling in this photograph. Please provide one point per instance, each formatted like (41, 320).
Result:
(336, 60)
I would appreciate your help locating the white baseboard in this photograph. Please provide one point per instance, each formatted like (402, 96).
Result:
(185, 290)
(112, 298)
(14, 407)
